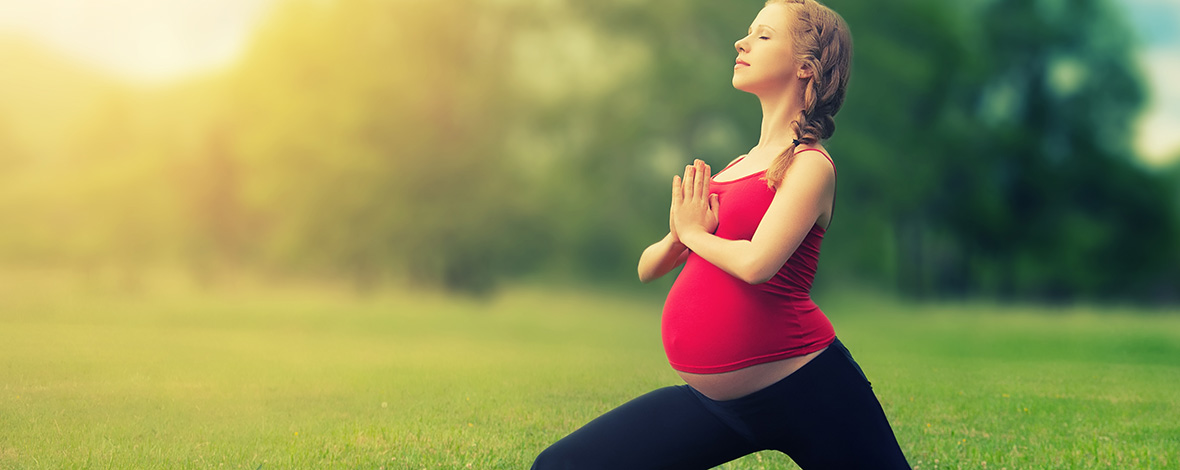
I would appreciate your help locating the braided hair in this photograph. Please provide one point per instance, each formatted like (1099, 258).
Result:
(824, 45)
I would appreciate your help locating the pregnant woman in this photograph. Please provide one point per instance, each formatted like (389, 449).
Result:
(761, 363)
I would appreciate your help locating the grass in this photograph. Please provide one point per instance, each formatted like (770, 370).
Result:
(316, 378)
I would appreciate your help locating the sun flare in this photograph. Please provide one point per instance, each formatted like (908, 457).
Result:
(135, 39)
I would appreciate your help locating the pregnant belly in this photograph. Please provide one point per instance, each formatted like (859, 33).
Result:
(714, 323)
(739, 383)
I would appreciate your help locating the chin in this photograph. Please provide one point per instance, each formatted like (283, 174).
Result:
(742, 85)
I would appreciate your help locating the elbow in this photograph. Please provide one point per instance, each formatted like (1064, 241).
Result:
(645, 275)
(755, 274)
(756, 279)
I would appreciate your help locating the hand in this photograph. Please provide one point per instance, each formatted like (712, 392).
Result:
(674, 236)
(693, 208)
(672, 221)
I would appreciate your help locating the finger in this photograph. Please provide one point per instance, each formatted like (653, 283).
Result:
(688, 181)
(708, 174)
(699, 183)
(677, 193)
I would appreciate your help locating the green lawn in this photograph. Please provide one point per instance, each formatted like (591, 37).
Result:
(314, 378)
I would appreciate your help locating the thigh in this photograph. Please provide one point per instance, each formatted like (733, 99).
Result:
(830, 418)
(666, 428)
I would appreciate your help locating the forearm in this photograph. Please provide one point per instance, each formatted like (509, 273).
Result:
(738, 258)
(660, 258)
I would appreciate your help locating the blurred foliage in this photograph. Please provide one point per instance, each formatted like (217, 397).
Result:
(983, 148)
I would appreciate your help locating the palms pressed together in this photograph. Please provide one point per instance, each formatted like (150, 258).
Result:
(693, 208)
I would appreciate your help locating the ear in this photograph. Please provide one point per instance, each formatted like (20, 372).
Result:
(805, 71)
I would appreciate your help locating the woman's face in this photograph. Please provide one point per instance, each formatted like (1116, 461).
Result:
(766, 56)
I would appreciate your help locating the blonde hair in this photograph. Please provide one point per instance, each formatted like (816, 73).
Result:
(823, 44)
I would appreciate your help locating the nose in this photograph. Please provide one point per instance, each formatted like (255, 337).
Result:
(740, 45)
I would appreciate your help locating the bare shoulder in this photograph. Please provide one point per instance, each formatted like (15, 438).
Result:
(810, 165)
(815, 153)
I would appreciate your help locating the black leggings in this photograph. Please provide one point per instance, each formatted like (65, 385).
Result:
(823, 416)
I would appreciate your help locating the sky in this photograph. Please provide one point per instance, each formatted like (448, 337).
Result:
(1157, 23)
(160, 40)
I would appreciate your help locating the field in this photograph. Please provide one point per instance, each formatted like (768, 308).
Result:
(320, 378)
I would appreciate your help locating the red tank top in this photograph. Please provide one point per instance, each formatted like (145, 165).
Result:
(714, 322)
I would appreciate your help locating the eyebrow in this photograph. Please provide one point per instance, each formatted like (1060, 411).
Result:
(761, 26)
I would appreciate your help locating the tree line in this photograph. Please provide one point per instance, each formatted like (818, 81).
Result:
(983, 150)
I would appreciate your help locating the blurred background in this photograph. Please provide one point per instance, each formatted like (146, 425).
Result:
(1021, 150)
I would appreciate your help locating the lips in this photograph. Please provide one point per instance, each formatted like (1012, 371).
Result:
(741, 62)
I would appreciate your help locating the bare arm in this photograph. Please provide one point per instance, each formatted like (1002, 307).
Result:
(804, 195)
(661, 257)
(668, 253)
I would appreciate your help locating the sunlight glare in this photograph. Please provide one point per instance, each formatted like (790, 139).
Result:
(152, 40)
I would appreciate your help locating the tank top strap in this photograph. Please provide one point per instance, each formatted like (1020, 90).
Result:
(821, 152)
(731, 163)
(825, 154)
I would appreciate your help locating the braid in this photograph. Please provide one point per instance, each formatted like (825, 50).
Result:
(822, 44)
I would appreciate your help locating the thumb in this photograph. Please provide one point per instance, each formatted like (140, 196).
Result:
(714, 202)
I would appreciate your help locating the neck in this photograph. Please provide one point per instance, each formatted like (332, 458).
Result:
(778, 111)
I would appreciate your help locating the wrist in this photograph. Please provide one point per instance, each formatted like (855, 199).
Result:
(674, 242)
(688, 237)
